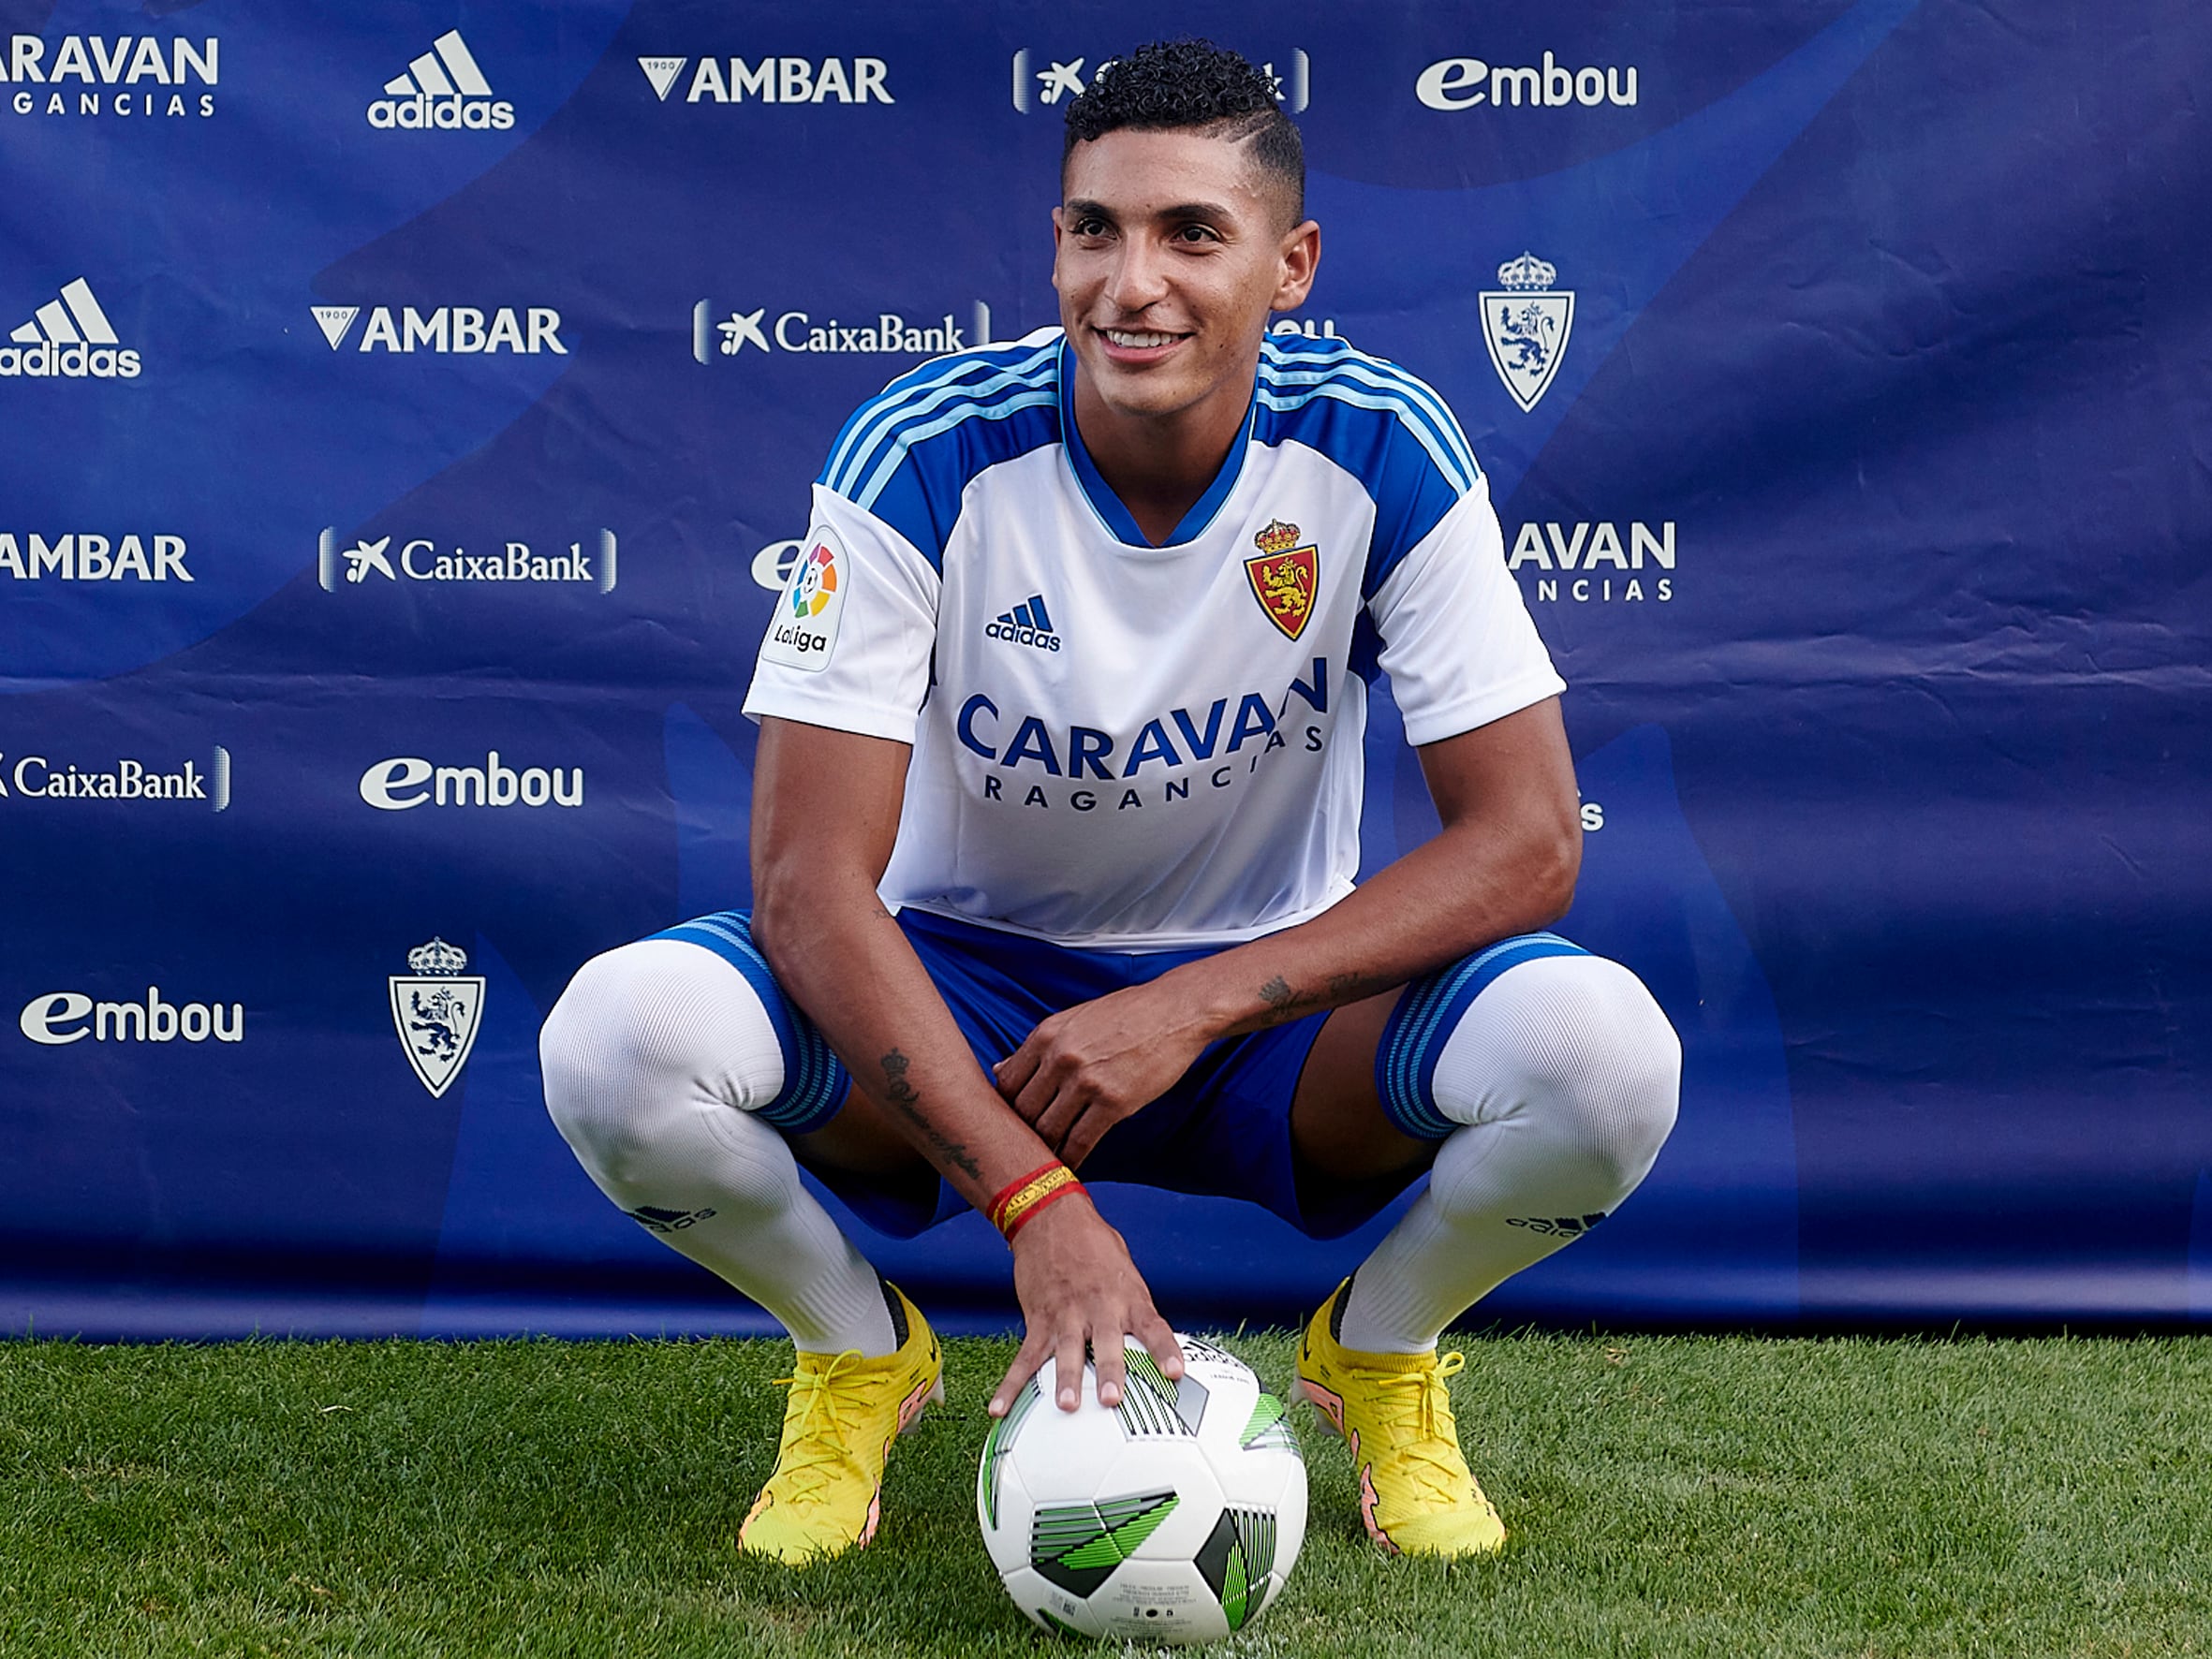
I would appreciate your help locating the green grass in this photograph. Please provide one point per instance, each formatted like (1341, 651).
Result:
(1668, 1496)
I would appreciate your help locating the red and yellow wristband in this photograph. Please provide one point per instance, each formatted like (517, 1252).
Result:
(1019, 1201)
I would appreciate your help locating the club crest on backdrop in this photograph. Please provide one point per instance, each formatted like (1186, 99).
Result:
(436, 1009)
(1526, 324)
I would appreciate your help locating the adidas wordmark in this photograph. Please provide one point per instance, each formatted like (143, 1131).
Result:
(445, 90)
(71, 338)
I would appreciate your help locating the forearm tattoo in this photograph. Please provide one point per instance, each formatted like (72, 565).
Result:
(908, 1100)
(1285, 1004)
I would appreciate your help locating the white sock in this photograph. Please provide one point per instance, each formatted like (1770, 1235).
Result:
(1566, 1074)
(654, 1059)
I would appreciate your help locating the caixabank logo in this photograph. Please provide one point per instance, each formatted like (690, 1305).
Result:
(589, 562)
(723, 333)
(1045, 78)
(68, 337)
(444, 90)
(768, 80)
(42, 777)
(94, 76)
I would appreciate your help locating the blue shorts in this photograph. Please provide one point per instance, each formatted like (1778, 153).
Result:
(1223, 1130)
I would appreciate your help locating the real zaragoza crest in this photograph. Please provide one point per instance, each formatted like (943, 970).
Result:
(436, 1009)
(1526, 325)
(1285, 577)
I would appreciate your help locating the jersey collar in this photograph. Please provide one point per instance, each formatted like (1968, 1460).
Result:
(1106, 505)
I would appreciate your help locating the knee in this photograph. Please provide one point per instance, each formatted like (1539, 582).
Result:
(1578, 1044)
(1612, 1065)
(628, 1049)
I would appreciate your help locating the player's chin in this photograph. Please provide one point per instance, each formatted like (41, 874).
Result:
(1156, 389)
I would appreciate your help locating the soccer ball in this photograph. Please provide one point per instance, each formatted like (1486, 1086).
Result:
(1175, 1517)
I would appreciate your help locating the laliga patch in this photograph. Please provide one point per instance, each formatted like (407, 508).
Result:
(804, 630)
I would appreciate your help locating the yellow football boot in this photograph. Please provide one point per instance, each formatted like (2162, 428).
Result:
(843, 1413)
(1417, 1496)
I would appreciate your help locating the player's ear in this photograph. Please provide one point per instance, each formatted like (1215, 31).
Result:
(1300, 259)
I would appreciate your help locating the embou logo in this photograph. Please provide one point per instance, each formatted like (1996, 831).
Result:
(398, 784)
(58, 1018)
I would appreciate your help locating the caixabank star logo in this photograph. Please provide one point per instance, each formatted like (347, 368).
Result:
(1045, 78)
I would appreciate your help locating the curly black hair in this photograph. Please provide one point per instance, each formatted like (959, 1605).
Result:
(1170, 86)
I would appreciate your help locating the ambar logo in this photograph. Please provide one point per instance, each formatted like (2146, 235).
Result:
(82, 557)
(460, 330)
(56, 1019)
(772, 80)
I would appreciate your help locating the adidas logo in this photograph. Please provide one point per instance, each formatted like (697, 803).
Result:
(443, 89)
(1026, 624)
(667, 1221)
(71, 338)
(1557, 1226)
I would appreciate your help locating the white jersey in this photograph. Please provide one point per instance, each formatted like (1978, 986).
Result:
(1123, 746)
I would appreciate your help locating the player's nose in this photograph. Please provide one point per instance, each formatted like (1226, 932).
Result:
(1139, 276)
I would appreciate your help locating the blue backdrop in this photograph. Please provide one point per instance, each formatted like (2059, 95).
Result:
(407, 409)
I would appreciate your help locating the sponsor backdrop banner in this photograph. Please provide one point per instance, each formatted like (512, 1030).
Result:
(409, 412)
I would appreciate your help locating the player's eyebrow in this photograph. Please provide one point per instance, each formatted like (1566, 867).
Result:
(1211, 213)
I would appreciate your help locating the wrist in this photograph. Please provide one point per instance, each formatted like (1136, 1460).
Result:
(1073, 1213)
(1207, 1008)
(1026, 1198)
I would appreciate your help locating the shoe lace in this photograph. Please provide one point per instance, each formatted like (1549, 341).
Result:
(820, 1419)
(1413, 1408)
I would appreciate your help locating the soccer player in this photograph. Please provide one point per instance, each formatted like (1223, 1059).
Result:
(1055, 817)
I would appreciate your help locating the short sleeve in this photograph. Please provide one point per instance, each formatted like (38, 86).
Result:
(1457, 641)
(849, 638)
